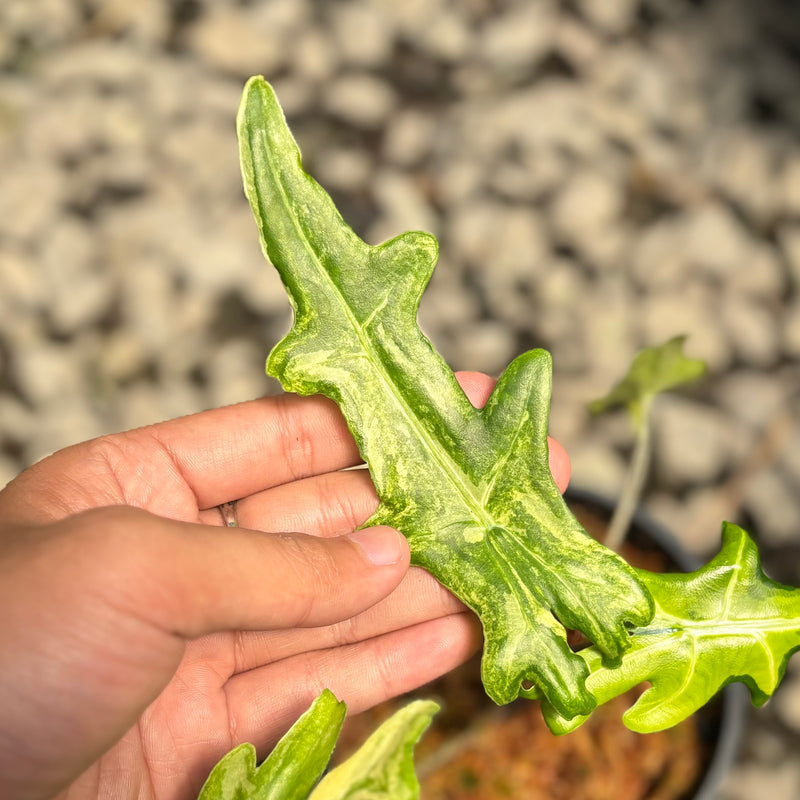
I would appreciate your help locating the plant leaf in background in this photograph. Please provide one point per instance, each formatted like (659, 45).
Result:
(291, 769)
(471, 489)
(654, 370)
(383, 767)
(725, 622)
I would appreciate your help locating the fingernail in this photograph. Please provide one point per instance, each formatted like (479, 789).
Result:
(382, 546)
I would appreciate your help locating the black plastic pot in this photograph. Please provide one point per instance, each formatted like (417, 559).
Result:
(725, 719)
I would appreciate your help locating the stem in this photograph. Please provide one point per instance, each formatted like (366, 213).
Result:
(634, 481)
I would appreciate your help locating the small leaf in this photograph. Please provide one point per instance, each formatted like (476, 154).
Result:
(725, 622)
(291, 770)
(383, 768)
(471, 489)
(653, 370)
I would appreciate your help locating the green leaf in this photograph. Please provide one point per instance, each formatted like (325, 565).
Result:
(725, 622)
(471, 489)
(384, 765)
(292, 768)
(653, 370)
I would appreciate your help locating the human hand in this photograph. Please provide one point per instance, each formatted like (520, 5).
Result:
(141, 642)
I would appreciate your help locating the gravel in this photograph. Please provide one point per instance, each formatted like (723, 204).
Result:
(601, 176)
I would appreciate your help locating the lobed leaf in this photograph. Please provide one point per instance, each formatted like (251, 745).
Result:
(383, 767)
(653, 370)
(291, 769)
(470, 489)
(725, 622)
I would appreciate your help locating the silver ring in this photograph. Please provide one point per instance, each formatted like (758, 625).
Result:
(228, 512)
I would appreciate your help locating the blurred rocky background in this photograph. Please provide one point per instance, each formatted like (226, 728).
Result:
(601, 175)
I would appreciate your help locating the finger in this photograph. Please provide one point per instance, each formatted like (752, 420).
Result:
(326, 505)
(236, 451)
(273, 697)
(189, 579)
(419, 598)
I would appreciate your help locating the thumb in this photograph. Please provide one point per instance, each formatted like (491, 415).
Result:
(194, 579)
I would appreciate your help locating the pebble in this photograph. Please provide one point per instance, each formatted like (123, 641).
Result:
(226, 38)
(771, 501)
(693, 443)
(586, 207)
(752, 330)
(360, 99)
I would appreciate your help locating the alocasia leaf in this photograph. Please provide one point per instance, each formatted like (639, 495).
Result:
(653, 370)
(470, 489)
(383, 767)
(725, 622)
(291, 770)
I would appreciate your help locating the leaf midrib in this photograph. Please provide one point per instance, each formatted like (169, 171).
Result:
(440, 455)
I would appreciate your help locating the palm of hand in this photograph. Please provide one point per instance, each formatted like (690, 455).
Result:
(186, 699)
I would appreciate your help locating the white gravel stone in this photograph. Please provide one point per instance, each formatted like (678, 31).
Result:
(763, 278)
(752, 329)
(586, 206)
(771, 502)
(787, 698)
(345, 168)
(409, 138)
(507, 242)
(236, 373)
(46, 372)
(315, 57)
(435, 29)
(789, 239)
(146, 403)
(716, 242)
(17, 421)
(517, 39)
(30, 200)
(751, 396)
(696, 520)
(78, 290)
(362, 33)
(610, 16)
(146, 21)
(489, 348)
(780, 780)
(8, 470)
(789, 177)
(229, 39)
(360, 99)
(22, 287)
(742, 165)
(403, 207)
(694, 443)
(597, 468)
(447, 305)
(658, 259)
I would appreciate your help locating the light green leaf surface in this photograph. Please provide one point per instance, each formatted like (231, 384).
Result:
(383, 767)
(653, 370)
(725, 622)
(470, 489)
(292, 768)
